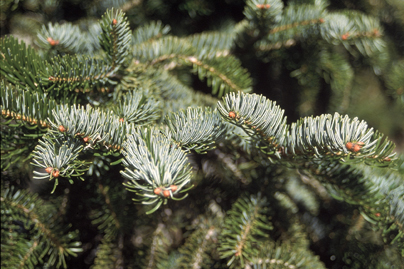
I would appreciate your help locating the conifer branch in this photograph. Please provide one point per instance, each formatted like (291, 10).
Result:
(94, 126)
(261, 13)
(58, 158)
(395, 82)
(359, 183)
(158, 248)
(157, 51)
(32, 108)
(150, 32)
(21, 64)
(258, 117)
(195, 250)
(137, 108)
(340, 138)
(75, 73)
(324, 137)
(65, 38)
(151, 179)
(212, 44)
(296, 20)
(276, 255)
(223, 74)
(116, 37)
(43, 239)
(106, 219)
(107, 255)
(195, 129)
(242, 230)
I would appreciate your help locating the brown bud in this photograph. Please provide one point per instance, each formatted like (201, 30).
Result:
(173, 188)
(166, 193)
(356, 148)
(48, 170)
(62, 129)
(157, 191)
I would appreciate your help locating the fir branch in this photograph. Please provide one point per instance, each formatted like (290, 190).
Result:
(43, 240)
(259, 117)
(355, 29)
(172, 93)
(223, 74)
(33, 108)
(302, 195)
(20, 64)
(336, 137)
(25, 115)
(261, 13)
(93, 42)
(366, 37)
(395, 82)
(150, 32)
(106, 219)
(137, 108)
(153, 180)
(285, 256)
(339, 74)
(108, 255)
(262, 46)
(25, 251)
(116, 37)
(162, 49)
(297, 20)
(165, 85)
(77, 73)
(196, 128)
(58, 157)
(194, 251)
(94, 126)
(212, 44)
(245, 225)
(158, 248)
(374, 189)
(65, 38)
(324, 137)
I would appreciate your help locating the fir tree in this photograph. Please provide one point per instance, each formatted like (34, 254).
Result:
(114, 155)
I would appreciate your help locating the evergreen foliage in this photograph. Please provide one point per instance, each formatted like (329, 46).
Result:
(234, 146)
